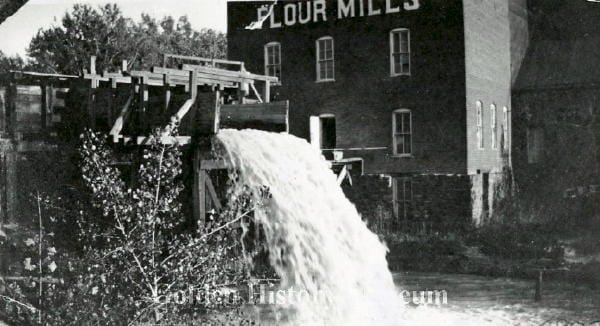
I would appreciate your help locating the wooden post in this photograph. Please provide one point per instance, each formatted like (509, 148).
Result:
(44, 107)
(91, 102)
(93, 65)
(143, 99)
(193, 84)
(199, 191)
(167, 89)
(11, 188)
(267, 92)
(538, 286)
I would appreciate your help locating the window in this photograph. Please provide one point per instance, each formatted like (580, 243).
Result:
(403, 198)
(399, 52)
(325, 62)
(506, 137)
(480, 125)
(402, 124)
(493, 125)
(273, 59)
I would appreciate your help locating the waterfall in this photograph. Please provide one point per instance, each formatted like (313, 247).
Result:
(318, 244)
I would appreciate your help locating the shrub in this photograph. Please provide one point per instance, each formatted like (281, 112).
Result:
(136, 252)
(517, 241)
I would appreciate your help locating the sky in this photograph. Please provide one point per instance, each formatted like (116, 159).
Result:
(17, 30)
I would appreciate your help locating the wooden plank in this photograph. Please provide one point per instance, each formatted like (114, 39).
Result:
(212, 192)
(256, 93)
(201, 59)
(167, 140)
(183, 110)
(213, 165)
(207, 121)
(230, 73)
(193, 82)
(214, 75)
(197, 188)
(267, 91)
(93, 65)
(118, 125)
(269, 113)
(157, 79)
(342, 175)
(201, 185)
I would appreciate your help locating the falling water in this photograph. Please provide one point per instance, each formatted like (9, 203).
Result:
(316, 238)
(318, 242)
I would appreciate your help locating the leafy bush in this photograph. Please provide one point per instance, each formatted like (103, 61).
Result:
(425, 252)
(517, 241)
(137, 255)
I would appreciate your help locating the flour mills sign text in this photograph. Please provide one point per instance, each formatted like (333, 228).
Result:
(291, 13)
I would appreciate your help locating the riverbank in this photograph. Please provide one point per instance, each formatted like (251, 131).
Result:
(516, 251)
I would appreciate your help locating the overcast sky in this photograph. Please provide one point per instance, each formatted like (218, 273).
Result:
(17, 30)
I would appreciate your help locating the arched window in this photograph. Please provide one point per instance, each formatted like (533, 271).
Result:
(325, 59)
(493, 124)
(479, 108)
(399, 52)
(402, 133)
(273, 59)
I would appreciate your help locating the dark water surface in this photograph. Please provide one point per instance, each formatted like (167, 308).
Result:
(511, 300)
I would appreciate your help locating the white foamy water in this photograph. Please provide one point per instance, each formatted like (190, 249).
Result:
(318, 242)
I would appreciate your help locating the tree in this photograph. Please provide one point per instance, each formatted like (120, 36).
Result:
(145, 256)
(8, 63)
(108, 35)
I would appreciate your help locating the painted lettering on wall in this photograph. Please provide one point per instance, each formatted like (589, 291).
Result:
(315, 11)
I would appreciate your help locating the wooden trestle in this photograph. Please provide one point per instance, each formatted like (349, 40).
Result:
(201, 98)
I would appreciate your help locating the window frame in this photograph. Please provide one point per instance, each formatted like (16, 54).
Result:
(393, 72)
(402, 206)
(319, 61)
(267, 64)
(479, 124)
(494, 125)
(395, 134)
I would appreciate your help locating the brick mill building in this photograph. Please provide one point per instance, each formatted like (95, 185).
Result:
(418, 91)
(433, 112)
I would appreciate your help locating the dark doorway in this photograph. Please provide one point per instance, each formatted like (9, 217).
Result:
(328, 132)
(327, 126)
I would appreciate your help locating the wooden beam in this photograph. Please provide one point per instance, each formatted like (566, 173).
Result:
(201, 184)
(342, 175)
(198, 192)
(142, 104)
(229, 73)
(167, 140)
(167, 90)
(193, 75)
(211, 191)
(213, 165)
(157, 79)
(214, 75)
(183, 110)
(240, 115)
(200, 59)
(93, 65)
(256, 93)
(118, 125)
(267, 91)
